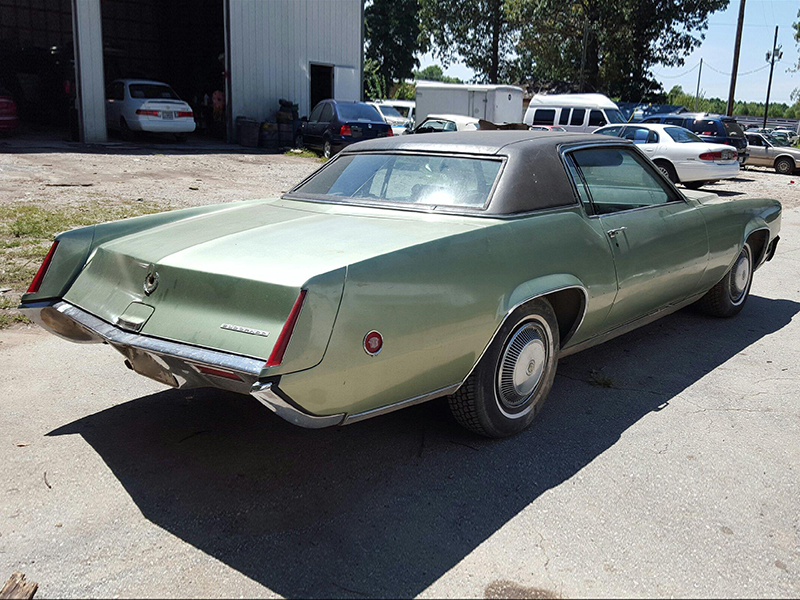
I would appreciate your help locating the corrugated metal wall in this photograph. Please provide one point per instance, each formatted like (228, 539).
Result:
(272, 43)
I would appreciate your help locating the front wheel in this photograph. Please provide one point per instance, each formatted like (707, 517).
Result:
(784, 166)
(512, 380)
(727, 298)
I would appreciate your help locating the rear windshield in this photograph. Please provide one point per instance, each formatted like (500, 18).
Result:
(358, 112)
(733, 129)
(151, 92)
(706, 127)
(681, 135)
(412, 179)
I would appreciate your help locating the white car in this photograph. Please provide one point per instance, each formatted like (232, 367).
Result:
(393, 117)
(435, 123)
(143, 105)
(678, 153)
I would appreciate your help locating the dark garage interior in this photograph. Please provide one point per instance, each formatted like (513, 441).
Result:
(179, 42)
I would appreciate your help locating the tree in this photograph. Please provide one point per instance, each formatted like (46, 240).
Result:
(435, 73)
(608, 46)
(796, 67)
(392, 40)
(478, 32)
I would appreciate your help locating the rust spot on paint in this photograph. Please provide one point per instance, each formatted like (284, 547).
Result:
(508, 590)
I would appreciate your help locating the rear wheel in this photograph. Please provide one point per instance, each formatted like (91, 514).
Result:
(727, 298)
(327, 149)
(667, 169)
(695, 185)
(784, 166)
(124, 130)
(511, 382)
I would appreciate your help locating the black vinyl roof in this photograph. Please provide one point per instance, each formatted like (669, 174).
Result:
(534, 176)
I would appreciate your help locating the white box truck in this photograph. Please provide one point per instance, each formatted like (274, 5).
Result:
(495, 103)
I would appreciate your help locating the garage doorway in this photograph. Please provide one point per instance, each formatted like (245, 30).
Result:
(321, 84)
(178, 42)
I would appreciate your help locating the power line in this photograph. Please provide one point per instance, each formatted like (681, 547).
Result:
(740, 74)
(677, 76)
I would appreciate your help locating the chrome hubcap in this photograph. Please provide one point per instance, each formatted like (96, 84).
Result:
(740, 277)
(522, 365)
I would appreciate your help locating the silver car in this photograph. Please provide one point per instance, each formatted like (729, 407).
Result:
(765, 153)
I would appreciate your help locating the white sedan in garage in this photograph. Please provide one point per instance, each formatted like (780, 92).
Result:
(679, 153)
(143, 105)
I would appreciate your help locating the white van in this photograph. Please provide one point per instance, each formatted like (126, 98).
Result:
(575, 112)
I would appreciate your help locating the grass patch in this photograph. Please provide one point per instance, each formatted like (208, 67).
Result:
(26, 232)
(305, 153)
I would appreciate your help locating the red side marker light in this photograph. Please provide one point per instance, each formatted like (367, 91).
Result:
(218, 373)
(39, 277)
(373, 343)
(286, 333)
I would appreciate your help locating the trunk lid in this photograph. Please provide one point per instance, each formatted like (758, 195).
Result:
(243, 266)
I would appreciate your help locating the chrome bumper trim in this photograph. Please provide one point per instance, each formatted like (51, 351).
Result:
(94, 330)
(382, 410)
(268, 395)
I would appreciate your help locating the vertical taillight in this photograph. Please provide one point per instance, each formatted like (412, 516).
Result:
(345, 130)
(286, 333)
(37, 280)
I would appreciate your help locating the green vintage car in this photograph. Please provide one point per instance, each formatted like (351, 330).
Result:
(406, 269)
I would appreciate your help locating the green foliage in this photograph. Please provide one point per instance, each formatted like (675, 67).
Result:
(716, 105)
(435, 73)
(405, 91)
(393, 39)
(796, 67)
(478, 32)
(624, 40)
(374, 83)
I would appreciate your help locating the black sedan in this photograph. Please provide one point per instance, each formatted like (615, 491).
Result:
(334, 124)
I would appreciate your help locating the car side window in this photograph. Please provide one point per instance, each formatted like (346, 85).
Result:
(638, 135)
(450, 126)
(580, 186)
(327, 113)
(316, 113)
(577, 116)
(754, 140)
(563, 118)
(596, 119)
(674, 121)
(544, 116)
(618, 179)
(430, 127)
(652, 137)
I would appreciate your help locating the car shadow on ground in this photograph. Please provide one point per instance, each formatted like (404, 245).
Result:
(387, 506)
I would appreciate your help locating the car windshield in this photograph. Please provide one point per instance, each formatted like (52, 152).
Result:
(358, 112)
(389, 111)
(614, 116)
(681, 135)
(152, 91)
(413, 179)
(403, 111)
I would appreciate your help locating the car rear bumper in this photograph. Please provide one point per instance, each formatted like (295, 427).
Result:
(173, 363)
(706, 171)
(163, 126)
(8, 123)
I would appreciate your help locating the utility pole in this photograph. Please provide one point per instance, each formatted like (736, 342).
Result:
(736, 58)
(771, 57)
(583, 51)
(697, 93)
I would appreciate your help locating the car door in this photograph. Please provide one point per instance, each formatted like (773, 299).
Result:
(645, 138)
(658, 238)
(325, 120)
(758, 151)
(310, 135)
(115, 98)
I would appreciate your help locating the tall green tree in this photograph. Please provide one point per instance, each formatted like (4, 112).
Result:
(393, 39)
(435, 73)
(476, 32)
(608, 46)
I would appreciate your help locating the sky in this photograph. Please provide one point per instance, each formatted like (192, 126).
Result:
(760, 19)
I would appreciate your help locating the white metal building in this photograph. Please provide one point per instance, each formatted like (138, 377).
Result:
(299, 50)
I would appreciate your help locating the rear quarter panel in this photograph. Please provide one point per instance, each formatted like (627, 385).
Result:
(438, 304)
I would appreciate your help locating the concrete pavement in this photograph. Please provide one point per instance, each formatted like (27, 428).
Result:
(681, 479)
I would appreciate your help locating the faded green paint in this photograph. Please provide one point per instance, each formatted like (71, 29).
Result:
(436, 286)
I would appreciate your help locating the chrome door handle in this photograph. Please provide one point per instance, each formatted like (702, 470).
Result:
(613, 232)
